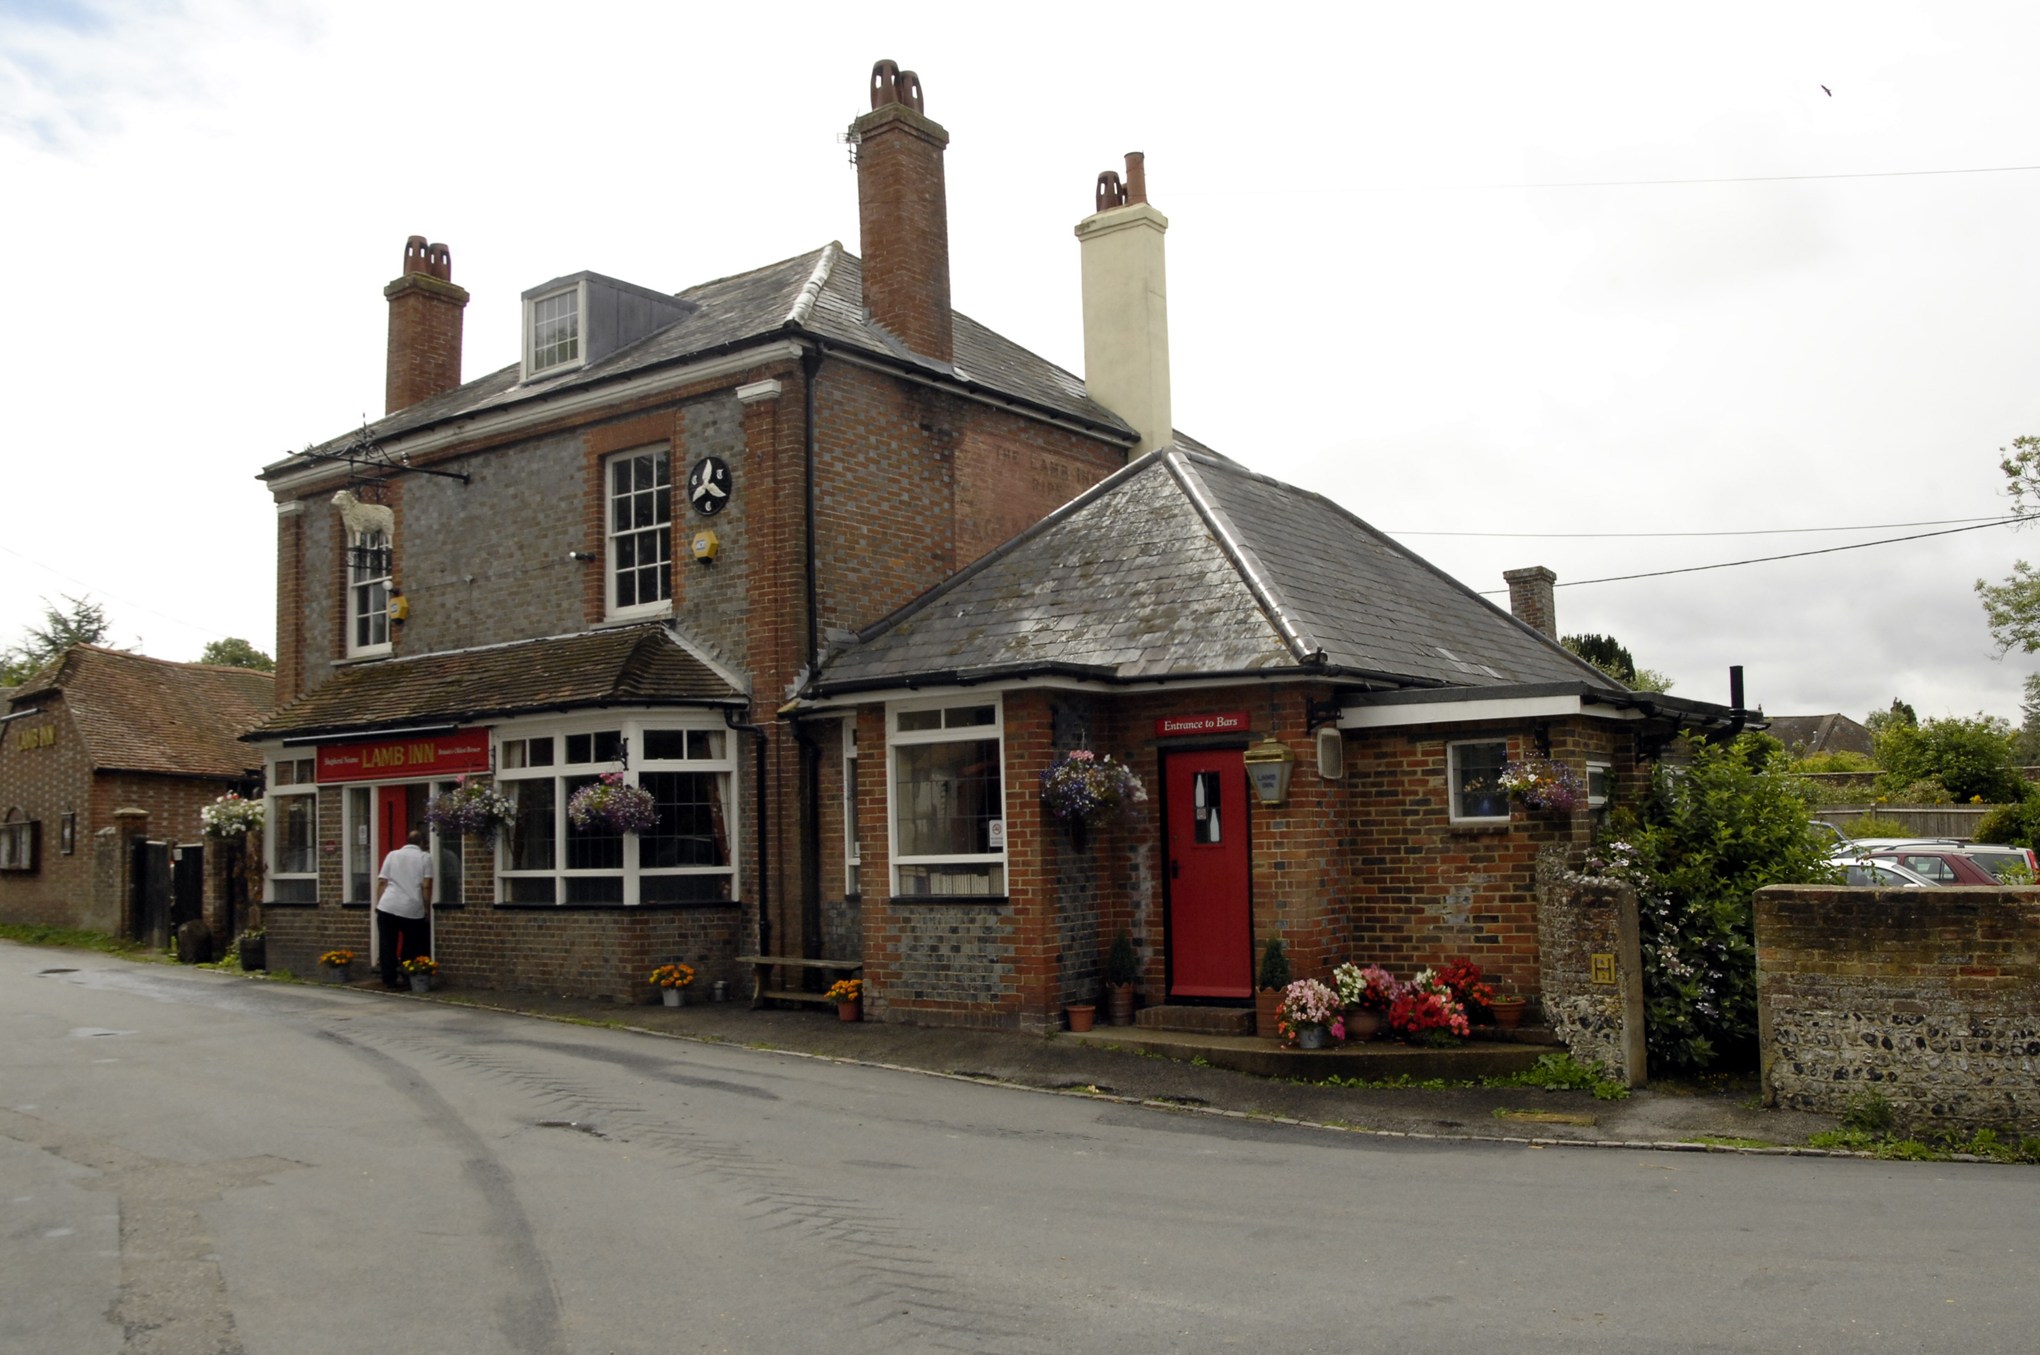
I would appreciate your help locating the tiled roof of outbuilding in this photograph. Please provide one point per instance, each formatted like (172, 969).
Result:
(645, 665)
(820, 293)
(1187, 564)
(138, 714)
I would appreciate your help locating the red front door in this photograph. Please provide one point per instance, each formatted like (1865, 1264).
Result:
(1211, 942)
(392, 820)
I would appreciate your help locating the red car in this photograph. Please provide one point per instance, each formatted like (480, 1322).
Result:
(1942, 865)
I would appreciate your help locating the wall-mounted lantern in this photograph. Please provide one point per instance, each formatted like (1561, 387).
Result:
(1269, 763)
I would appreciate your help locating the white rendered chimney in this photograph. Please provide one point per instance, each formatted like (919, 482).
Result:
(1126, 306)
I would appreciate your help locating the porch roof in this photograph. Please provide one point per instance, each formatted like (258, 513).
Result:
(643, 665)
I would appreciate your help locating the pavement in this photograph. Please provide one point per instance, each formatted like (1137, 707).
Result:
(1183, 1072)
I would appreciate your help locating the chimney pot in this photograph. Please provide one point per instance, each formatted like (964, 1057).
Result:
(1111, 193)
(885, 83)
(903, 215)
(1136, 177)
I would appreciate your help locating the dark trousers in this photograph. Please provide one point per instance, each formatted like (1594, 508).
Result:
(397, 940)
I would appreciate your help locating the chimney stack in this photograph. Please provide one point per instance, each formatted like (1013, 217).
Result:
(425, 311)
(1530, 598)
(1126, 305)
(903, 215)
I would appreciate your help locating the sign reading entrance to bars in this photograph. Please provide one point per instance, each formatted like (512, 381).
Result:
(1228, 722)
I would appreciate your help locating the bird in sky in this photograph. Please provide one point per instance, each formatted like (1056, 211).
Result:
(1825, 90)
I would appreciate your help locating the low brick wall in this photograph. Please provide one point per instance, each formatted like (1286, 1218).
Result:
(1928, 997)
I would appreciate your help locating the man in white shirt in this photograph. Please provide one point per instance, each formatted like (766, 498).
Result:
(403, 898)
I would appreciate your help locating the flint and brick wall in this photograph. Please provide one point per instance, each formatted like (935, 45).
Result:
(1928, 997)
(1597, 1013)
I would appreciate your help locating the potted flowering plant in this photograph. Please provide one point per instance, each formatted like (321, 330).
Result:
(608, 803)
(230, 816)
(472, 809)
(1122, 969)
(1463, 977)
(671, 980)
(1426, 1012)
(421, 968)
(1310, 1015)
(1081, 789)
(1366, 994)
(1543, 783)
(848, 995)
(333, 964)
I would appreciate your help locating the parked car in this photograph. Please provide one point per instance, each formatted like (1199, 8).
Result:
(2001, 861)
(1942, 865)
(1864, 871)
(1863, 846)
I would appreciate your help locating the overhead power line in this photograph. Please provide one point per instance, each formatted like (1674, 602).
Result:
(1768, 559)
(1740, 531)
(1615, 183)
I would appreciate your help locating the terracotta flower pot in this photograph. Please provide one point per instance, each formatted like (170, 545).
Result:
(1362, 1025)
(1508, 1011)
(1120, 1003)
(1267, 1008)
(1082, 1014)
(850, 1011)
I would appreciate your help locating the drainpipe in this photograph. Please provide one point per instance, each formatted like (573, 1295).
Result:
(764, 831)
(810, 368)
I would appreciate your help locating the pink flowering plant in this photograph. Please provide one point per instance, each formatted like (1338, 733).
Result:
(471, 809)
(1307, 1002)
(1372, 988)
(1543, 783)
(607, 803)
(1083, 787)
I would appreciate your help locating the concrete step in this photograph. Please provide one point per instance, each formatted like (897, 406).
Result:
(1199, 1020)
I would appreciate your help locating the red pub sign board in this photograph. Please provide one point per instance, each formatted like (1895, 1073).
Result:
(1228, 722)
(465, 750)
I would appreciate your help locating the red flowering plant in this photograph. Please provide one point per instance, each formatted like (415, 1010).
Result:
(1426, 1012)
(1373, 988)
(1463, 977)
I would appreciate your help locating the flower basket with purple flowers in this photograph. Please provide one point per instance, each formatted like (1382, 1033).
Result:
(471, 809)
(1543, 783)
(1081, 787)
(608, 804)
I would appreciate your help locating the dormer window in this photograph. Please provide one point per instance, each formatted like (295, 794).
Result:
(555, 332)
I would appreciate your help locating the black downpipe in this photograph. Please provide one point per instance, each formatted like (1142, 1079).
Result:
(811, 835)
(764, 831)
(810, 368)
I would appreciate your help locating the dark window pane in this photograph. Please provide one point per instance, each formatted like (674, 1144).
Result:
(595, 889)
(684, 889)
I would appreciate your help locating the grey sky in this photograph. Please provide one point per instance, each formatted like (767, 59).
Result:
(1387, 283)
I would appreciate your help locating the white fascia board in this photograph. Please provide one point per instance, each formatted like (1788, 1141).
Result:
(1459, 710)
(1003, 686)
(511, 419)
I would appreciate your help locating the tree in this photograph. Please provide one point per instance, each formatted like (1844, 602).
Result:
(1609, 655)
(84, 624)
(2013, 607)
(1901, 713)
(2026, 743)
(234, 652)
(1732, 819)
(1971, 759)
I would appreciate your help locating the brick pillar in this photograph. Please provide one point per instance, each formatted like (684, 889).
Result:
(425, 321)
(903, 215)
(1530, 598)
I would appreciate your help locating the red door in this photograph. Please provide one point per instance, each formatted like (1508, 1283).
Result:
(392, 820)
(1210, 931)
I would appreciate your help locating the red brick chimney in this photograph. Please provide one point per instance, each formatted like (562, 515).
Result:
(1530, 598)
(903, 215)
(425, 310)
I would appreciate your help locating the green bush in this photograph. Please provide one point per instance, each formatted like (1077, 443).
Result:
(1710, 834)
(1971, 759)
(1876, 825)
(2014, 825)
(1843, 760)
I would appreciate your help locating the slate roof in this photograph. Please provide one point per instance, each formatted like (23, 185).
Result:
(819, 294)
(138, 714)
(1806, 735)
(1187, 564)
(645, 665)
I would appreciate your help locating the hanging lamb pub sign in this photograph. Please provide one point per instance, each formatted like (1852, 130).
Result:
(1175, 726)
(465, 750)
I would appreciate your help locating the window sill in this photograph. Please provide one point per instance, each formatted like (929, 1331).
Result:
(366, 655)
(612, 907)
(996, 900)
(636, 618)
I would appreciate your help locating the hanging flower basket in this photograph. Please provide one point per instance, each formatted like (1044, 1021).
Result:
(1543, 783)
(610, 805)
(471, 809)
(230, 816)
(1082, 788)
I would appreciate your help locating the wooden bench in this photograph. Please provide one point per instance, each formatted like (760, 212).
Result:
(763, 989)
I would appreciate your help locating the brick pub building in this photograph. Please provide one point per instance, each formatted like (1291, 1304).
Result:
(833, 572)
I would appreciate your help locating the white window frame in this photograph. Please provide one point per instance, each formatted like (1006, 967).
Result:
(1607, 773)
(853, 849)
(292, 780)
(536, 362)
(368, 595)
(1454, 780)
(631, 731)
(358, 833)
(20, 845)
(611, 534)
(968, 865)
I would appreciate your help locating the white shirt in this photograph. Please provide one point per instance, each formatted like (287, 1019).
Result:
(404, 873)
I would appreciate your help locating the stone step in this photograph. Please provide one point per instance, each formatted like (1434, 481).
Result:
(1199, 1020)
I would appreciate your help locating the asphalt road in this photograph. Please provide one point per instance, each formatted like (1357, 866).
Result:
(194, 1163)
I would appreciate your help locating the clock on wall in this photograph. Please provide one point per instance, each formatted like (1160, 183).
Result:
(708, 485)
